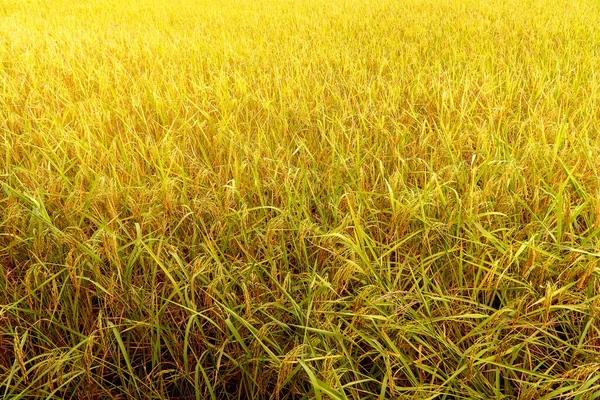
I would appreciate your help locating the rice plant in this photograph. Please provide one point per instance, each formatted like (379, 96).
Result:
(277, 199)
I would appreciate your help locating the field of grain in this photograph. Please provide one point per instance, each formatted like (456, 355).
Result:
(278, 199)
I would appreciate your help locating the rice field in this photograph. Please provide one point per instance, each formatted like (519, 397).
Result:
(311, 199)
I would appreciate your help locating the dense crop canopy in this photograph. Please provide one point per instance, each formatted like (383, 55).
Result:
(299, 199)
